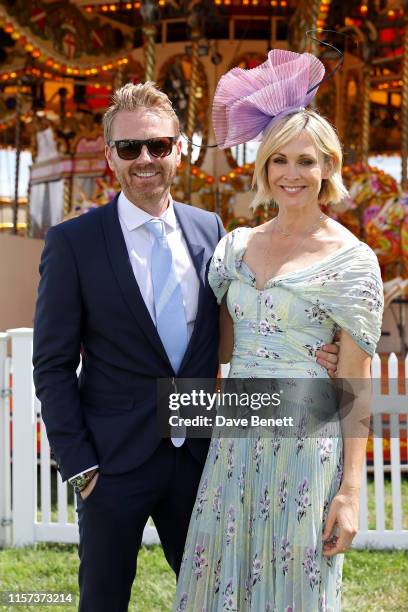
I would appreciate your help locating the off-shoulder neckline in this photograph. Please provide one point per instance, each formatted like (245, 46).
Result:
(274, 279)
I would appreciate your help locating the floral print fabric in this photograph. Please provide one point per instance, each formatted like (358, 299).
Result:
(255, 537)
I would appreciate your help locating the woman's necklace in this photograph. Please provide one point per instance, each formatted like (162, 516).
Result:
(297, 246)
(321, 217)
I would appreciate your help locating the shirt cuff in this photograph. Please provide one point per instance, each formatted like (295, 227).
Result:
(83, 472)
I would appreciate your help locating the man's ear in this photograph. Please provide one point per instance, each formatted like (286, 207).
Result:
(179, 145)
(108, 155)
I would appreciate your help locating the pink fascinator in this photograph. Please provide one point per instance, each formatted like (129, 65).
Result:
(247, 101)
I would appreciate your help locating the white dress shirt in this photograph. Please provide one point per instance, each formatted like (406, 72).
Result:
(139, 241)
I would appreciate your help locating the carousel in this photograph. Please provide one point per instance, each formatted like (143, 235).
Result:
(60, 61)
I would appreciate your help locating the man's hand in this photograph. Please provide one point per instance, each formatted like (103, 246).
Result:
(328, 356)
(90, 486)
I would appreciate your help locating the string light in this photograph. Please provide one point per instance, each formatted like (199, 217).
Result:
(126, 6)
(363, 9)
(12, 76)
(37, 54)
(323, 13)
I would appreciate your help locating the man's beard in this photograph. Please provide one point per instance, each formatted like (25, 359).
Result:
(153, 195)
(142, 195)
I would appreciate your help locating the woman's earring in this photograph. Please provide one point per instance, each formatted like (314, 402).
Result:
(268, 205)
(266, 210)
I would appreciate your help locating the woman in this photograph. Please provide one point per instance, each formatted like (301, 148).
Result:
(275, 513)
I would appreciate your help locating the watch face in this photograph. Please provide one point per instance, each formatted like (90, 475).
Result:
(78, 481)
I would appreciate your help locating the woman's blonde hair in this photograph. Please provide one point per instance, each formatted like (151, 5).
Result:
(326, 142)
(131, 97)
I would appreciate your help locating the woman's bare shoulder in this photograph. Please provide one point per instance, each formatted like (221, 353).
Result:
(340, 234)
(259, 230)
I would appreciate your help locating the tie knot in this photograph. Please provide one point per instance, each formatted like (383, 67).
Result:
(156, 227)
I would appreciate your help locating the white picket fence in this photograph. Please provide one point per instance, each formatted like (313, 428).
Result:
(24, 521)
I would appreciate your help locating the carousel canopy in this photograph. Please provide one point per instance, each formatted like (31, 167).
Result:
(59, 57)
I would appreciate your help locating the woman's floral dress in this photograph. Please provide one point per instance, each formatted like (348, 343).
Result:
(255, 537)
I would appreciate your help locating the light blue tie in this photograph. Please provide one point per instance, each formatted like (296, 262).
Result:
(171, 321)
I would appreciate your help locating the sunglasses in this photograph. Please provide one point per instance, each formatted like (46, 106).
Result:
(131, 149)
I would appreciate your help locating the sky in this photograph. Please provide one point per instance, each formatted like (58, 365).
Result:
(7, 172)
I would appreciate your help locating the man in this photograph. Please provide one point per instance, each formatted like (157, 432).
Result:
(104, 292)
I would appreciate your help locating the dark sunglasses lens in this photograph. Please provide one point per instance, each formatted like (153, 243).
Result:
(160, 147)
(128, 149)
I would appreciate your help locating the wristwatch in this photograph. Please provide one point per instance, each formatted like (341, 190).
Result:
(82, 480)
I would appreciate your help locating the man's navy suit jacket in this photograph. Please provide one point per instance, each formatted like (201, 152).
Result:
(89, 303)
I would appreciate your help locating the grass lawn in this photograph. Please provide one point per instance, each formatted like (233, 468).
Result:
(373, 581)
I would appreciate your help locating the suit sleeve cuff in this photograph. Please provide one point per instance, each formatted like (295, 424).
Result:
(83, 472)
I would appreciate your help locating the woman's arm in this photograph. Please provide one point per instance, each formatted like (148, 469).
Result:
(354, 363)
(226, 333)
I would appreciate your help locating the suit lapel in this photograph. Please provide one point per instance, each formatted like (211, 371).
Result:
(190, 235)
(119, 258)
(197, 255)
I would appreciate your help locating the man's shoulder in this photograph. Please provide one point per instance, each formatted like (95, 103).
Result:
(193, 211)
(84, 222)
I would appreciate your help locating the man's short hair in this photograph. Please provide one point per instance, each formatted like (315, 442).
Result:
(131, 97)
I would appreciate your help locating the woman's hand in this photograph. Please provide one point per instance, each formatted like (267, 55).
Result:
(341, 523)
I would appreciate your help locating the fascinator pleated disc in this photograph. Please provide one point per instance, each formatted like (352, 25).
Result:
(246, 102)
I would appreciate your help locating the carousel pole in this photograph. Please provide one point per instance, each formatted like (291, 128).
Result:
(314, 46)
(191, 109)
(119, 77)
(365, 132)
(69, 178)
(67, 195)
(17, 144)
(404, 106)
(149, 29)
(314, 16)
